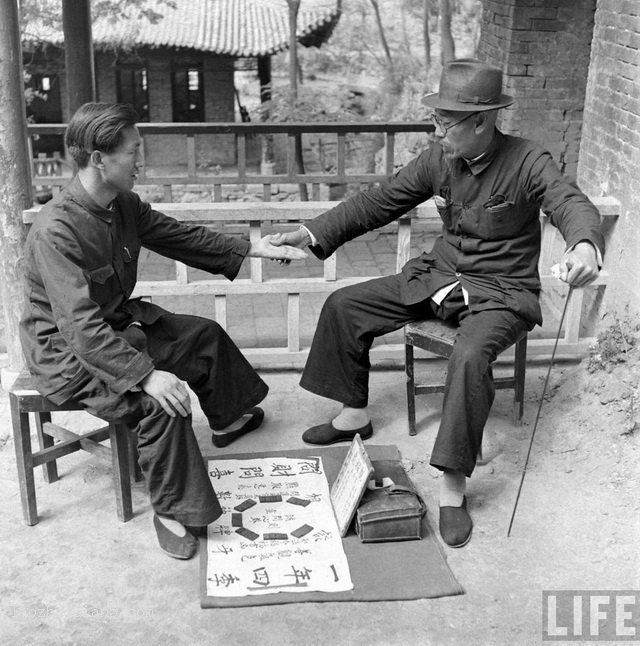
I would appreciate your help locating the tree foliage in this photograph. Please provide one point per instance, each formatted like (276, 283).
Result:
(48, 13)
(378, 48)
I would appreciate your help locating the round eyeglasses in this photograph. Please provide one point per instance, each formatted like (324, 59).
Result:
(445, 128)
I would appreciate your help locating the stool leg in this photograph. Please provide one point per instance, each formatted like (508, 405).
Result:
(411, 394)
(24, 461)
(519, 373)
(50, 469)
(119, 437)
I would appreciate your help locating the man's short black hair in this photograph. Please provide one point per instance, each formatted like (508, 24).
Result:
(97, 126)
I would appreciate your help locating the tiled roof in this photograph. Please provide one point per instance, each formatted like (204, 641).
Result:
(235, 27)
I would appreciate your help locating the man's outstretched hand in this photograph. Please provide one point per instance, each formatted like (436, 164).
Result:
(578, 267)
(169, 391)
(299, 238)
(271, 246)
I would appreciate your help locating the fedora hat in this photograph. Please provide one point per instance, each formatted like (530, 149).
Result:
(468, 85)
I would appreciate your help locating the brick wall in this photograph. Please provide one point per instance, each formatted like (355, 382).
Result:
(610, 150)
(169, 151)
(543, 46)
(219, 106)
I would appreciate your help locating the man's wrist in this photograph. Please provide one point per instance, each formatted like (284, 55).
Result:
(587, 244)
(308, 237)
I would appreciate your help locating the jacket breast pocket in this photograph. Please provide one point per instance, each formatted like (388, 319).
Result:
(100, 280)
(444, 209)
(501, 221)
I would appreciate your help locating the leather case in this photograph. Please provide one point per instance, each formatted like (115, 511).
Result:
(393, 512)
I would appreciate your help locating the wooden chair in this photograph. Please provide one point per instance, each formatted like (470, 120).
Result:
(437, 337)
(25, 399)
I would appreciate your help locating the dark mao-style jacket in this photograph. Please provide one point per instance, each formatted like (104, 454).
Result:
(491, 232)
(80, 266)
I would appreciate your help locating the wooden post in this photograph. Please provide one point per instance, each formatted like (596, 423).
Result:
(15, 180)
(294, 6)
(78, 53)
(264, 77)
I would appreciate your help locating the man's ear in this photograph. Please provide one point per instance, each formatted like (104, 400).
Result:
(96, 159)
(486, 120)
(482, 122)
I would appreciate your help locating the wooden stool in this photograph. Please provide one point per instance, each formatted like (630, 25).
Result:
(437, 337)
(25, 399)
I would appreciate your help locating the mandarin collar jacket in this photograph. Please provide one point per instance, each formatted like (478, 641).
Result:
(490, 211)
(80, 268)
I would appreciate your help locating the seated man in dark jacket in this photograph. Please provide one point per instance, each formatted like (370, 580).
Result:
(482, 271)
(85, 340)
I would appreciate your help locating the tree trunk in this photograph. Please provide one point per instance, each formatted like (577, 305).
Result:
(383, 39)
(78, 53)
(427, 36)
(406, 41)
(447, 45)
(15, 179)
(294, 6)
(390, 93)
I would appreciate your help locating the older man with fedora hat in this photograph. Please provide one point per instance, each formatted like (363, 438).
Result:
(481, 273)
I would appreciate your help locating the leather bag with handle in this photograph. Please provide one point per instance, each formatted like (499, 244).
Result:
(393, 512)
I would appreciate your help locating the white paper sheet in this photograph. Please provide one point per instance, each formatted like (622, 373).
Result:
(277, 533)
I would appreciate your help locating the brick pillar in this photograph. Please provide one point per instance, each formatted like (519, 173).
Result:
(610, 151)
(543, 47)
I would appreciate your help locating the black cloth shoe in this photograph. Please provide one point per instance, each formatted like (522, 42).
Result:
(199, 531)
(178, 547)
(455, 525)
(328, 434)
(224, 439)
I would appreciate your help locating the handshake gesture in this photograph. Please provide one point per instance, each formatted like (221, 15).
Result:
(277, 247)
(283, 247)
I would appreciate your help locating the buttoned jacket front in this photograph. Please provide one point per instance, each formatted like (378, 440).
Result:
(490, 211)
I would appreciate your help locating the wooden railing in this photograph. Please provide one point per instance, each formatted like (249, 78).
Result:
(259, 218)
(240, 173)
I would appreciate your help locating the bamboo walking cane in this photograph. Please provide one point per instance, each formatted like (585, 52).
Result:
(535, 425)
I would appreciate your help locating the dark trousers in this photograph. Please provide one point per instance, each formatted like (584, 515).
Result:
(201, 353)
(352, 317)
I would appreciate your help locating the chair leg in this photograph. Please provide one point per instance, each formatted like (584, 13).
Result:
(119, 437)
(24, 462)
(411, 393)
(50, 469)
(519, 373)
(134, 465)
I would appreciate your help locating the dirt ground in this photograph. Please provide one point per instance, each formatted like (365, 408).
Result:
(81, 577)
